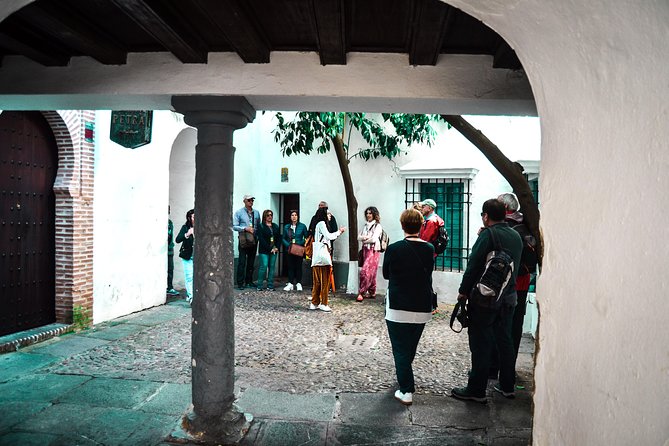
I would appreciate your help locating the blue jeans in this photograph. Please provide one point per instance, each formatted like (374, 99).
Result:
(188, 277)
(266, 266)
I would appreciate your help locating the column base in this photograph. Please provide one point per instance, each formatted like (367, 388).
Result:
(228, 429)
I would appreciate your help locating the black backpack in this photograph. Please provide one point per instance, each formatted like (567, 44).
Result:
(488, 291)
(528, 258)
(441, 242)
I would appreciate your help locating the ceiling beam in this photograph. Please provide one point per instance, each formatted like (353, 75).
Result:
(429, 25)
(505, 57)
(169, 31)
(20, 38)
(329, 17)
(35, 53)
(239, 30)
(66, 26)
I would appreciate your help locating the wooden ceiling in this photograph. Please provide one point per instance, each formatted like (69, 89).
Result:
(51, 32)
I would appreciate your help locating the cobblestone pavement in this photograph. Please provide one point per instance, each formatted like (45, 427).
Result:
(281, 345)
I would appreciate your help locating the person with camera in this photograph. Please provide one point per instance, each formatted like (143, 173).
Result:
(490, 326)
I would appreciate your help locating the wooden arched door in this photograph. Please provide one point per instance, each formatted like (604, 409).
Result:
(28, 163)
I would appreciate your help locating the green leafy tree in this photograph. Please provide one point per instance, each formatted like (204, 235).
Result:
(321, 132)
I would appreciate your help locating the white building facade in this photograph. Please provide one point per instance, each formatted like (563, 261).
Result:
(135, 186)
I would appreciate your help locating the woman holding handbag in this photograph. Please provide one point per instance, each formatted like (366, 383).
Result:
(186, 237)
(268, 248)
(370, 236)
(321, 261)
(294, 237)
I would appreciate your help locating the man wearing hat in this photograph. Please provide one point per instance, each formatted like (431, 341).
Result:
(430, 229)
(246, 221)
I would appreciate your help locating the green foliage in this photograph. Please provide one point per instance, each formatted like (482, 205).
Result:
(388, 137)
(80, 318)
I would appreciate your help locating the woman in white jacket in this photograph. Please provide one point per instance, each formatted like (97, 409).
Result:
(370, 236)
(321, 261)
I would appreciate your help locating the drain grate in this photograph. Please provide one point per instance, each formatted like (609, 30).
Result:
(352, 342)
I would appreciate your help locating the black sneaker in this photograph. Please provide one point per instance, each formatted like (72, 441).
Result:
(252, 285)
(240, 287)
(462, 393)
(510, 395)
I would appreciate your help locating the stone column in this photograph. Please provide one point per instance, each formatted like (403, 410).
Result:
(213, 331)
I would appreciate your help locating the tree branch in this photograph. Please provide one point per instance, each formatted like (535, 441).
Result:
(512, 172)
(351, 201)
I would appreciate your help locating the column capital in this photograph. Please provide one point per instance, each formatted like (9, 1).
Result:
(231, 111)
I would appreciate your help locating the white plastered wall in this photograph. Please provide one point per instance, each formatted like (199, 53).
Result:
(380, 182)
(130, 223)
(600, 78)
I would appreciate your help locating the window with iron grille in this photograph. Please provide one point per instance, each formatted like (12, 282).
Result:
(452, 198)
(534, 187)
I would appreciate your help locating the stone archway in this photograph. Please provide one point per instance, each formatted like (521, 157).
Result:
(182, 188)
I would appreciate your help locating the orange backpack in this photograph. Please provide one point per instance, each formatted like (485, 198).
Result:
(309, 247)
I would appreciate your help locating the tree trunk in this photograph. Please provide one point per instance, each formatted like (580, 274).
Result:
(512, 172)
(351, 201)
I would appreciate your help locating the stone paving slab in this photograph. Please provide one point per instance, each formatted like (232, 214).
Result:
(278, 432)
(507, 413)
(444, 411)
(370, 434)
(66, 346)
(114, 332)
(170, 399)
(39, 387)
(153, 430)
(14, 412)
(378, 408)
(157, 315)
(17, 364)
(104, 392)
(269, 404)
(30, 439)
(509, 437)
(104, 426)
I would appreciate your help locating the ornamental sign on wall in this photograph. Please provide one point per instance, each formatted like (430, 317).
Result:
(131, 128)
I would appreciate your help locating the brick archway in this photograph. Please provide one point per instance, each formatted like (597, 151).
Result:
(73, 189)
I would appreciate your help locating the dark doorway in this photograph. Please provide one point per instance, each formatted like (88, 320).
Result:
(287, 203)
(28, 162)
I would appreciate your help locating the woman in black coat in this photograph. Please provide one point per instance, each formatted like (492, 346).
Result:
(186, 237)
(408, 266)
(269, 241)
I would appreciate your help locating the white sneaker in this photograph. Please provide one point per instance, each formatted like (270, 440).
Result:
(313, 307)
(404, 398)
(288, 287)
(324, 308)
(299, 287)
